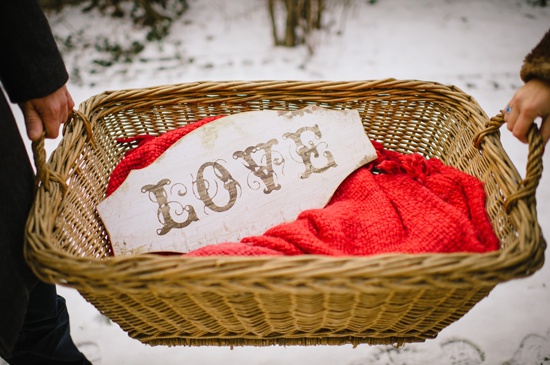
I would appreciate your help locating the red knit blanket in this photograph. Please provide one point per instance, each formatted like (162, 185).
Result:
(399, 203)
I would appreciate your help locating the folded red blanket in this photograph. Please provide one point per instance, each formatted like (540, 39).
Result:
(399, 203)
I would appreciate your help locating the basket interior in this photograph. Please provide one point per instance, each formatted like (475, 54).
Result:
(428, 122)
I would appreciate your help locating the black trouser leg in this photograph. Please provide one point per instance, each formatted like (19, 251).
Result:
(45, 337)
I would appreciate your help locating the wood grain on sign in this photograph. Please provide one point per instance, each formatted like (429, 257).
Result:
(235, 177)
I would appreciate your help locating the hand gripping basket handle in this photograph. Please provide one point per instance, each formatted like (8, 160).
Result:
(45, 175)
(527, 187)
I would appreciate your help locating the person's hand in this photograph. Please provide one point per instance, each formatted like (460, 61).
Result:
(47, 113)
(532, 100)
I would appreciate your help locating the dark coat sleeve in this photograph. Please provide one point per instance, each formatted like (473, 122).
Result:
(537, 63)
(30, 63)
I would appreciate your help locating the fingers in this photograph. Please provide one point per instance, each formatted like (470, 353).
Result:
(508, 117)
(47, 113)
(52, 115)
(530, 102)
(515, 122)
(521, 123)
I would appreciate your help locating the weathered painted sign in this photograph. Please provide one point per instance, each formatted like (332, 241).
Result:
(235, 177)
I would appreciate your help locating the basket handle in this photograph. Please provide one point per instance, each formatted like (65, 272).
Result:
(45, 175)
(527, 187)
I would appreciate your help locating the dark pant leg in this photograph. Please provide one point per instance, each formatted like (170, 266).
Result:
(16, 195)
(45, 337)
(43, 322)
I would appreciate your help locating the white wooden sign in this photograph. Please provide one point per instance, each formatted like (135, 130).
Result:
(235, 177)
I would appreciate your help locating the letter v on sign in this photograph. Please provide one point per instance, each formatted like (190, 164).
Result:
(235, 177)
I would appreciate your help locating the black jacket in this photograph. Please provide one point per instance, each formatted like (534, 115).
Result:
(30, 63)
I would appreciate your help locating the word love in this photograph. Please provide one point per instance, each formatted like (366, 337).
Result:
(206, 188)
(235, 177)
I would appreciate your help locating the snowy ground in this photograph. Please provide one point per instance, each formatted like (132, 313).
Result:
(477, 45)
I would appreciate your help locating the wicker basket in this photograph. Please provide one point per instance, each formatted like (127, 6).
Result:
(304, 300)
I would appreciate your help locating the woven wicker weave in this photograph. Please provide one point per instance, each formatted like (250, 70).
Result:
(303, 300)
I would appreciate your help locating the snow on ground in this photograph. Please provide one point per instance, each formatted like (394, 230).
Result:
(476, 45)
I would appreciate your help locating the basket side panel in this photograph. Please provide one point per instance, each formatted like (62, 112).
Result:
(238, 316)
